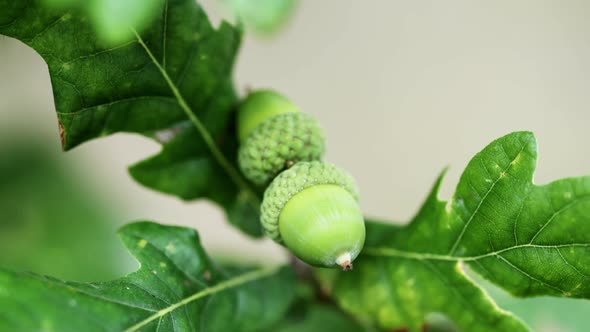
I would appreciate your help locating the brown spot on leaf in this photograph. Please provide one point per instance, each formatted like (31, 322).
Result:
(207, 275)
(62, 133)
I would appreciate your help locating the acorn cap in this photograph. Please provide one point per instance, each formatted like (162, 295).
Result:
(279, 142)
(301, 176)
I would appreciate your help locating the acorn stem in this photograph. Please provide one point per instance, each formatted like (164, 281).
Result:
(345, 261)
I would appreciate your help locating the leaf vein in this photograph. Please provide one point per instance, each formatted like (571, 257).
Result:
(571, 265)
(458, 240)
(49, 26)
(193, 279)
(82, 57)
(556, 213)
(164, 32)
(127, 304)
(231, 171)
(224, 285)
(126, 100)
(528, 275)
(391, 252)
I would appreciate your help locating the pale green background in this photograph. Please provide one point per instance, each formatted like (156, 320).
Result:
(402, 88)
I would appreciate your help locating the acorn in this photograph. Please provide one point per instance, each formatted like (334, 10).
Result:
(312, 209)
(274, 135)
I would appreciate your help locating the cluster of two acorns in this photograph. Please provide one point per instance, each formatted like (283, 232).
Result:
(309, 206)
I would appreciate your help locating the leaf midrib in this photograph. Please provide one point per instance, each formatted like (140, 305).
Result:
(215, 150)
(228, 284)
(391, 252)
(476, 211)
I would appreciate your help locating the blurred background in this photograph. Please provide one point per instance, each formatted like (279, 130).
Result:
(402, 88)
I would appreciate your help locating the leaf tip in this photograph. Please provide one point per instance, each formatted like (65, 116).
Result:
(523, 135)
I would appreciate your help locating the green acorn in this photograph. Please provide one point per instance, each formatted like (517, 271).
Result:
(274, 135)
(312, 208)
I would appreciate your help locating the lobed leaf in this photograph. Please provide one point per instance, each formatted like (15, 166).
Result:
(177, 288)
(528, 239)
(147, 84)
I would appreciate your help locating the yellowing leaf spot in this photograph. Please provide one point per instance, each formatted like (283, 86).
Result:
(162, 264)
(170, 248)
(142, 243)
(66, 17)
(154, 272)
(516, 160)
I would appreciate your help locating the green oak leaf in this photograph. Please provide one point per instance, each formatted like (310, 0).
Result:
(528, 239)
(178, 68)
(112, 18)
(177, 288)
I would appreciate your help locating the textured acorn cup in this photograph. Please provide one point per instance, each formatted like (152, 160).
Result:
(274, 135)
(312, 208)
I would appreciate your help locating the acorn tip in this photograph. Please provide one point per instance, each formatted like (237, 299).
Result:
(346, 266)
(345, 261)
